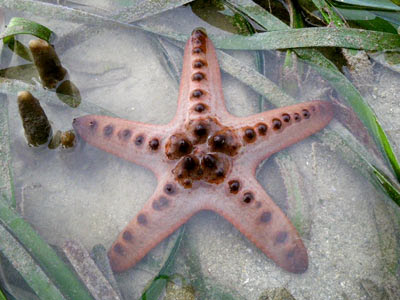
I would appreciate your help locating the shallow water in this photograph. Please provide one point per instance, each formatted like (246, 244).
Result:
(350, 229)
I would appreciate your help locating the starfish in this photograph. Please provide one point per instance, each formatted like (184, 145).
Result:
(206, 159)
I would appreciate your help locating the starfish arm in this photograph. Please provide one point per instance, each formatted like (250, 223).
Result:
(255, 215)
(136, 142)
(201, 79)
(163, 213)
(266, 133)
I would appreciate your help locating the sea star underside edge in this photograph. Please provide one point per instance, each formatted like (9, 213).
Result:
(206, 159)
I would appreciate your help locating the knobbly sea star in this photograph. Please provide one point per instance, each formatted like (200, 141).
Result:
(206, 159)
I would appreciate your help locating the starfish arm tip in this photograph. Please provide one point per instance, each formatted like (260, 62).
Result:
(248, 207)
(296, 259)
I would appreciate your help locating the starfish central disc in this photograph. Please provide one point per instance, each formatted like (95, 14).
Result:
(204, 152)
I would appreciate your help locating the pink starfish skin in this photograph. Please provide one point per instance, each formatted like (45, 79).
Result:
(206, 159)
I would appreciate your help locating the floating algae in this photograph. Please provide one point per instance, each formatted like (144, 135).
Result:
(68, 93)
(67, 139)
(36, 125)
(55, 140)
(48, 64)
